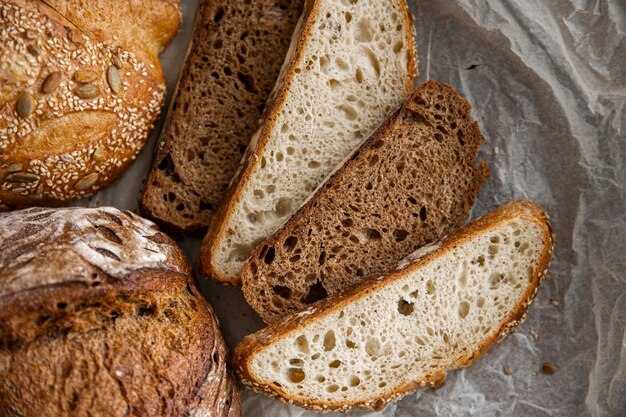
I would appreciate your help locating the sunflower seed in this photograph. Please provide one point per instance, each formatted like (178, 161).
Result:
(87, 91)
(113, 77)
(87, 181)
(14, 167)
(34, 50)
(25, 104)
(117, 61)
(51, 82)
(75, 36)
(99, 154)
(85, 76)
(19, 177)
(66, 157)
(39, 191)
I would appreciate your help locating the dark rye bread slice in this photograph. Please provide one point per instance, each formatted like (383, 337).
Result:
(412, 182)
(234, 58)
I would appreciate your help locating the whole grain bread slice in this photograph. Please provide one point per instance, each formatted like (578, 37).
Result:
(232, 64)
(413, 181)
(350, 65)
(439, 310)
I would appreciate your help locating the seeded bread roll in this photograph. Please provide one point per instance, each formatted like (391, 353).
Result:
(233, 61)
(80, 89)
(99, 316)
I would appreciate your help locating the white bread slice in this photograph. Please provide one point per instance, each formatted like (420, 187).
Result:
(350, 64)
(441, 309)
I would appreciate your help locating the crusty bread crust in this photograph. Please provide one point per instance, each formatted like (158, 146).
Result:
(522, 209)
(103, 304)
(250, 161)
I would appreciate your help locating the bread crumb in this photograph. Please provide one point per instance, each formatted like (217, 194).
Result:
(554, 302)
(507, 370)
(534, 333)
(548, 368)
(495, 150)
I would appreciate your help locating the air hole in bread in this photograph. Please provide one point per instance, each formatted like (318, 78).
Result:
(329, 341)
(219, 14)
(282, 291)
(332, 83)
(400, 234)
(302, 344)
(348, 111)
(405, 307)
(397, 47)
(335, 364)
(373, 61)
(367, 234)
(295, 375)
(359, 75)
(464, 309)
(423, 214)
(316, 292)
(290, 243)
(364, 31)
(322, 258)
(270, 255)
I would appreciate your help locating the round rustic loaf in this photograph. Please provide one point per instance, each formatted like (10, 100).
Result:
(80, 90)
(99, 316)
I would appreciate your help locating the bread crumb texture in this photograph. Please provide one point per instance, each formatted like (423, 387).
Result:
(410, 184)
(350, 69)
(236, 54)
(405, 330)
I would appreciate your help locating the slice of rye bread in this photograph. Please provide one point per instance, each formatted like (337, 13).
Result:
(232, 65)
(439, 310)
(413, 181)
(350, 65)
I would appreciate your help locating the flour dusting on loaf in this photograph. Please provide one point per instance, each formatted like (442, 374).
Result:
(76, 244)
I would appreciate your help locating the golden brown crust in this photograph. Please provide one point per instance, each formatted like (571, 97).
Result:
(78, 97)
(256, 342)
(103, 304)
(251, 160)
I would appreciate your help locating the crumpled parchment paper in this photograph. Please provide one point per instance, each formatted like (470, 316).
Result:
(547, 80)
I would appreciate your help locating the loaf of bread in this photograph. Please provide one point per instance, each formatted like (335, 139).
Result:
(412, 182)
(439, 310)
(232, 64)
(99, 317)
(350, 64)
(80, 89)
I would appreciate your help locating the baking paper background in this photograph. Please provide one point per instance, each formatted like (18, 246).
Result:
(547, 80)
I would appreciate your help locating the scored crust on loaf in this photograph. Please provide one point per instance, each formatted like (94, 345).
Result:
(231, 67)
(349, 66)
(413, 181)
(439, 310)
(99, 316)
